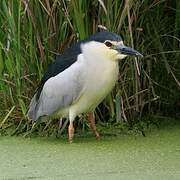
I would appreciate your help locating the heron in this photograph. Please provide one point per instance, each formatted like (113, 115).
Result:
(79, 79)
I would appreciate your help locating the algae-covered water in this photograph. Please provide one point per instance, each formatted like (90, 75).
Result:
(126, 157)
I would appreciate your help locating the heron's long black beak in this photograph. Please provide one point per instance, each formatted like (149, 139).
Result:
(127, 50)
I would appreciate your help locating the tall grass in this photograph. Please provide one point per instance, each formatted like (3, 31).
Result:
(32, 32)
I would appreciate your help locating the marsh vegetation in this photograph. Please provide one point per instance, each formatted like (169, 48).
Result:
(33, 32)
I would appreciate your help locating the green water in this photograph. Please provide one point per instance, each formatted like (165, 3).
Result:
(126, 157)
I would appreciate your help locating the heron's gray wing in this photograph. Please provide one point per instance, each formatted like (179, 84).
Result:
(59, 91)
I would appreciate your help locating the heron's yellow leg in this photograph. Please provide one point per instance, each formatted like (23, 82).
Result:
(71, 131)
(91, 120)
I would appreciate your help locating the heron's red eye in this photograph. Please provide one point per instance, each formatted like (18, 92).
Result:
(108, 44)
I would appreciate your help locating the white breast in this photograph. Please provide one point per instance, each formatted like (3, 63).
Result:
(101, 76)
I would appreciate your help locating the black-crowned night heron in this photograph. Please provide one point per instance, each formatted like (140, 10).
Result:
(78, 80)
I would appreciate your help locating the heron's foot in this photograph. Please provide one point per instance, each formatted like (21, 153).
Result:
(70, 141)
(91, 120)
(97, 135)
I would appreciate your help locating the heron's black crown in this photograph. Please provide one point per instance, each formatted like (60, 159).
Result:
(103, 36)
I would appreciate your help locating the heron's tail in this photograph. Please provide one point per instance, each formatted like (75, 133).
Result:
(33, 109)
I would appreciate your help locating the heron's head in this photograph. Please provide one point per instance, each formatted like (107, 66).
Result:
(108, 45)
